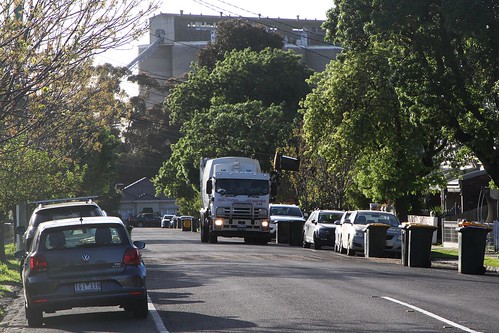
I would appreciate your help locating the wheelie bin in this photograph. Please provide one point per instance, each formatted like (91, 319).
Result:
(471, 247)
(296, 233)
(283, 231)
(417, 248)
(194, 225)
(375, 240)
(404, 255)
(186, 224)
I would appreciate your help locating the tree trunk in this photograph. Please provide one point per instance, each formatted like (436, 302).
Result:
(3, 257)
(402, 208)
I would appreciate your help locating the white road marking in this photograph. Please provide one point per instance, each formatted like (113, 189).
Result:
(446, 321)
(155, 316)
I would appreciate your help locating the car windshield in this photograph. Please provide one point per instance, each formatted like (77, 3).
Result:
(329, 217)
(242, 187)
(366, 218)
(86, 236)
(59, 213)
(286, 211)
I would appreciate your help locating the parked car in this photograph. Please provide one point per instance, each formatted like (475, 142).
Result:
(57, 211)
(83, 262)
(284, 213)
(166, 221)
(145, 220)
(352, 231)
(319, 229)
(338, 233)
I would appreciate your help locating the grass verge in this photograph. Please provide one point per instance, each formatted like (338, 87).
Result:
(9, 275)
(453, 254)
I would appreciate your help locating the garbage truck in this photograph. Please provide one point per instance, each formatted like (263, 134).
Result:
(235, 200)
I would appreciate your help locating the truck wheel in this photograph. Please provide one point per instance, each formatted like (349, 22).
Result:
(212, 238)
(204, 234)
(263, 241)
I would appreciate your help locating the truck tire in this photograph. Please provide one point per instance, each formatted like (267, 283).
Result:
(205, 233)
(212, 238)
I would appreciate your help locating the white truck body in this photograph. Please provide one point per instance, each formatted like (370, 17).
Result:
(235, 197)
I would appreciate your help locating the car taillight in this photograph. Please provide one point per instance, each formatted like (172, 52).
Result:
(131, 256)
(38, 263)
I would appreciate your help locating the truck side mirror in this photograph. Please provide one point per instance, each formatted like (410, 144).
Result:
(209, 186)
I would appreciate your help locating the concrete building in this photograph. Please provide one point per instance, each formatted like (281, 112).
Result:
(175, 41)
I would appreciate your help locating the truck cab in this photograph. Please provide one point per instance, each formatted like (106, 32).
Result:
(235, 195)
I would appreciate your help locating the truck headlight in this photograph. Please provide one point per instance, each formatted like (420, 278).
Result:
(265, 224)
(219, 222)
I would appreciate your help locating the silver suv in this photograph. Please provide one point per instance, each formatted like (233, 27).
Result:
(57, 211)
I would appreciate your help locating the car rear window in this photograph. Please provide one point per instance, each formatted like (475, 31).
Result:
(85, 236)
(286, 211)
(329, 217)
(60, 213)
(384, 218)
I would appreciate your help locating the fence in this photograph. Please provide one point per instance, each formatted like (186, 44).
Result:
(450, 235)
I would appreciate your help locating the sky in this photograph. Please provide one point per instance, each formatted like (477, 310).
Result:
(308, 9)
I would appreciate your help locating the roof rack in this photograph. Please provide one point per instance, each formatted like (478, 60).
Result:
(43, 202)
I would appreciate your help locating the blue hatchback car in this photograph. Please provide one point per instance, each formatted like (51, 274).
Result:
(83, 262)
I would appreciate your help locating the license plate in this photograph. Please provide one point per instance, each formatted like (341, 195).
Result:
(87, 287)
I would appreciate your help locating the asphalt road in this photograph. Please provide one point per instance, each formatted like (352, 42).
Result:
(234, 287)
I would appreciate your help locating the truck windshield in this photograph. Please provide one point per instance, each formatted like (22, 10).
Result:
(242, 187)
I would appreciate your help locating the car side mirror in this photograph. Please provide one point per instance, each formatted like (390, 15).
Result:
(140, 245)
(337, 222)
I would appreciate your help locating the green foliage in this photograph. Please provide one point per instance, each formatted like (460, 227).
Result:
(33, 174)
(443, 63)
(245, 106)
(9, 272)
(413, 88)
(237, 34)
(46, 52)
(354, 119)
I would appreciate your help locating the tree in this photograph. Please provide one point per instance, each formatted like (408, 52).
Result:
(237, 35)
(245, 105)
(148, 134)
(444, 59)
(45, 47)
(50, 113)
(354, 119)
(30, 173)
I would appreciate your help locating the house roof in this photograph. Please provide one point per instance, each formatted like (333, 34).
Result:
(141, 190)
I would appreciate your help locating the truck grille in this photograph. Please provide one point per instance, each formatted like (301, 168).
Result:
(241, 211)
(242, 216)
